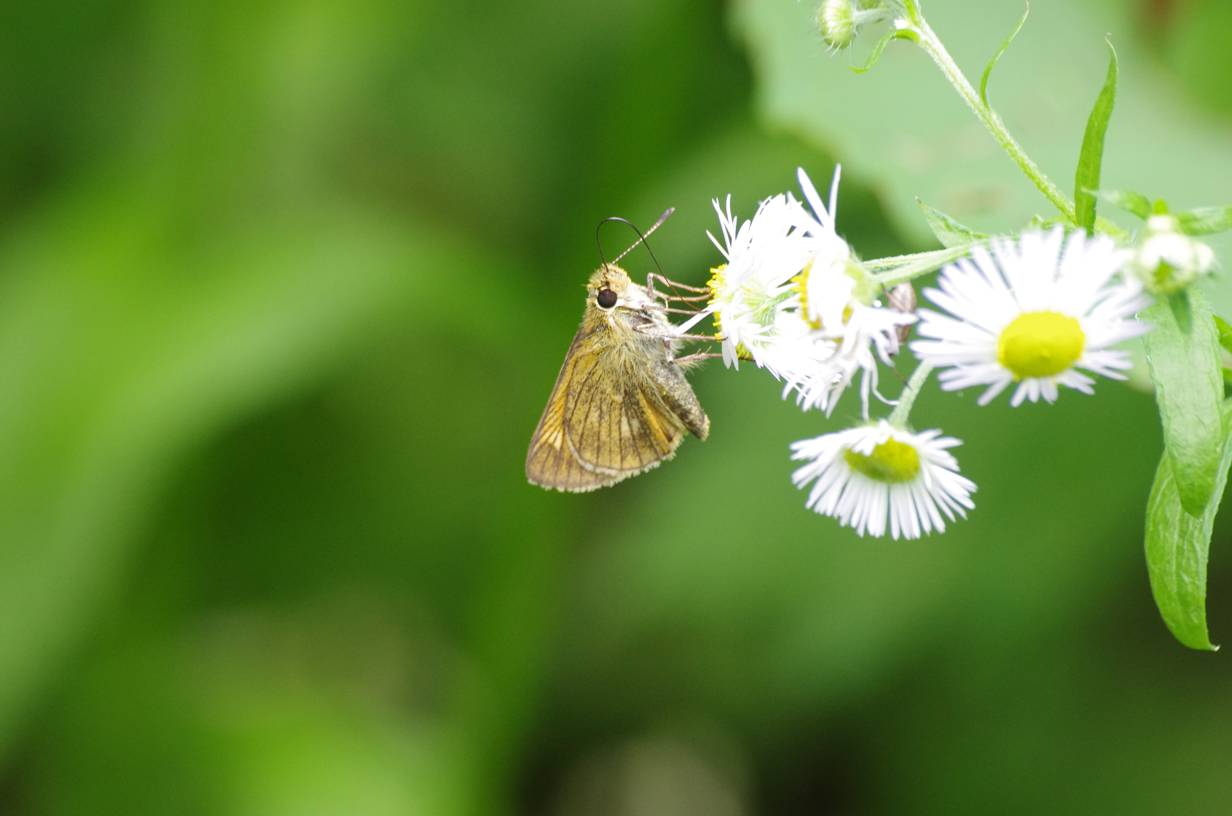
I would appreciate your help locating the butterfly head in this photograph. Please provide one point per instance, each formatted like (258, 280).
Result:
(610, 289)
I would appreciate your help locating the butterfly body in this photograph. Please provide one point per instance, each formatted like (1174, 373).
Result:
(621, 403)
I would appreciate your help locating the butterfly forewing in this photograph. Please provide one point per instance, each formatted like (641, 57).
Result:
(599, 427)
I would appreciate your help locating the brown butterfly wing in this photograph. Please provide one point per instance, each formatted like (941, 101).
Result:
(600, 425)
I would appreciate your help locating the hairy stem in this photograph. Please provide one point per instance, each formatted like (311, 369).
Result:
(901, 268)
(905, 400)
(918, 29)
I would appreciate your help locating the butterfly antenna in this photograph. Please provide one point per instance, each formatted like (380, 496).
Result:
(641, 236)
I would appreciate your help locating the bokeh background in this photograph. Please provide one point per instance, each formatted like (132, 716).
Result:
(283, 288)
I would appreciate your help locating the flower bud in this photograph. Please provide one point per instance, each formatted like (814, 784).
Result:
(840, 21)
(1167, 260)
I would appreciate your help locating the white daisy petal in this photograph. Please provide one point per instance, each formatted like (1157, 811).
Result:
(1035, 313)
(877, 477)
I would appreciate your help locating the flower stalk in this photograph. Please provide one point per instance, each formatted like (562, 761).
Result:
(917, 29)
(898, 417)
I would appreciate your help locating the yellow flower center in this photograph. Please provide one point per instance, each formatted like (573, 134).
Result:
(891, 461)
(801, 282)
(1040, 344)
(715, 285)
(717, 281)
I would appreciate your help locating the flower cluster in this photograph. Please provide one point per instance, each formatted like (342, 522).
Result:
(1036, 312)
(793, 299)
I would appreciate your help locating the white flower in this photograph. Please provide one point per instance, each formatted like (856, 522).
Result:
(836, 298)
(1032, 313)
(753, 294)
(867, 474)
(1167, 260)
(794, 299)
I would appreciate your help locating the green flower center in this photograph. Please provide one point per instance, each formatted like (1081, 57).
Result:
(891, 461)
(1040, 344)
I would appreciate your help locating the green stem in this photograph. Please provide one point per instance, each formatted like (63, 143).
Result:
(905, 400)
(939, 256)
(931, 43)
(903, 268)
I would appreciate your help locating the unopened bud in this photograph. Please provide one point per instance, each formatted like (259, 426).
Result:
(1167, 260)
(840, 21)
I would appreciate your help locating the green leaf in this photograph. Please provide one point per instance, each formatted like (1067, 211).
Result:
(1183, 353)
(898, 269)
(878, 50)
(1091, 159)
(1225, 333)
(1005, 46)
(1129, 201)
(949, 231)
(1205, 220)
(1178, 545)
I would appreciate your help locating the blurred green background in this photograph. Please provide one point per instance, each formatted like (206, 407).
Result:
(283, 289)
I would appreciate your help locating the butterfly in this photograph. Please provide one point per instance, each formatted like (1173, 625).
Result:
(621, 403)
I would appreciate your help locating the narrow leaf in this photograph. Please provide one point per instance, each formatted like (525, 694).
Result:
(1005, 46)
(1205, 220)
(949, 231)
(1182, 351)
(1178, 546)
(1091, 159)
(1131, 202)
(889, 271)
(875, 56)
(1225, 333)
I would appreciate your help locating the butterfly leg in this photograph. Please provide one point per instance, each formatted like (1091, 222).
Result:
(701, 292)
(697, 357)
(655, 276)
(709, 338)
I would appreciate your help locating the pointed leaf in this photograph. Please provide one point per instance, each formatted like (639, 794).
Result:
(1178, 546)
(1005, 46)
(1091, 159)
(878, 50)
(1225, 333)
(949, 231)
(1183, 353)
(1205, 220)
(1127, 200)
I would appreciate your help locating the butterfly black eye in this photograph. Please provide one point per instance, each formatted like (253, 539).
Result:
(606, 298)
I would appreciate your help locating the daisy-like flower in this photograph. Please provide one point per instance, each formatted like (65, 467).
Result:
(1032, 313)
(837, 300)
(753, 294)
(1167, 260)
(867, 475)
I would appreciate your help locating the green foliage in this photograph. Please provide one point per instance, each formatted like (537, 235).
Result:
(1005, 46)
(874, 56)
(1178, 547)
(1183, 353)
(1205, 220)
(947, 228)
(1131, 202)
(1091, 159)
(902, 128)
(1225, 333)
